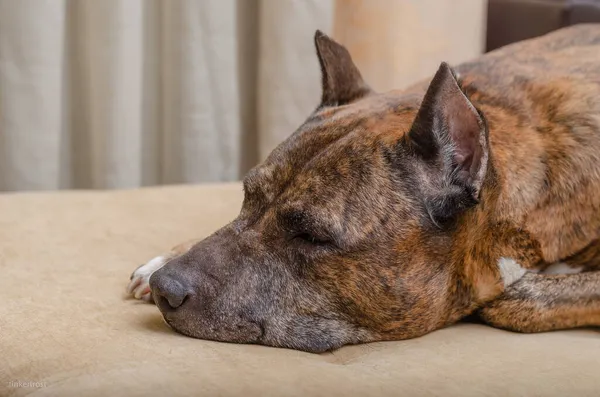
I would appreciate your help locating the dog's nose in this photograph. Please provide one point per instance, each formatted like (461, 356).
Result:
(169, 291)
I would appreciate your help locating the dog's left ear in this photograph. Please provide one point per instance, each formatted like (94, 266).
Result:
(451, 136)
(342, 82)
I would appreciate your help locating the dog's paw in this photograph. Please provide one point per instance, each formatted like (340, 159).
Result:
(139, 282)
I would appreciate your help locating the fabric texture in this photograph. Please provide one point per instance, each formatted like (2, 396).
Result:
(126, 93)
(66, 328)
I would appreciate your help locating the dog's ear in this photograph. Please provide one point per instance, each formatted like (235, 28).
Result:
(342, 82)
(450, 135)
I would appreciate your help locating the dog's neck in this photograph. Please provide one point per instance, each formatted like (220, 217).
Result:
(488, 253)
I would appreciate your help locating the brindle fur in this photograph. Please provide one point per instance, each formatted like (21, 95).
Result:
(362, 226)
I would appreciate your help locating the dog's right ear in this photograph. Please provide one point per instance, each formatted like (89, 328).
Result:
(450, 135)
(342, 82)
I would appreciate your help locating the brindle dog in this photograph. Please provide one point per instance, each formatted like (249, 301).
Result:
(388, 216)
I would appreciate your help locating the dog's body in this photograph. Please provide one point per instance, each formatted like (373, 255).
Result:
(387, 216)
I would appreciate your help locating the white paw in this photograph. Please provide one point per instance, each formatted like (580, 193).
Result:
(139, 283)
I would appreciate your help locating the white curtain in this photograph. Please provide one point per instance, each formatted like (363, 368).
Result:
(127, 93)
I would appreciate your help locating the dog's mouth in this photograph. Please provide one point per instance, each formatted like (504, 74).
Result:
(207, 326)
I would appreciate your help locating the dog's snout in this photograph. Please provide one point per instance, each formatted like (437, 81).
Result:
(168, 290)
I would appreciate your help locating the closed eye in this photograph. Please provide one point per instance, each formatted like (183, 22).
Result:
(300, 227)
(311, 239)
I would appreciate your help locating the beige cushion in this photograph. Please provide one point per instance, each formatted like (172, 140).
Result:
(65, 325)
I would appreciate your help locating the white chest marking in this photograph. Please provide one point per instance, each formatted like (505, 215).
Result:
(510, 270)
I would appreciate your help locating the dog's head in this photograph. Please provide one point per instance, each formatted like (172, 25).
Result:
(347, 230)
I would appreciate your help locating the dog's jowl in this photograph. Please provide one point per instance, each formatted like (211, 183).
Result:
(386, 216)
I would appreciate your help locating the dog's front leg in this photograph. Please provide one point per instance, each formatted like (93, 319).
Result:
(539, 303)
(139, 282)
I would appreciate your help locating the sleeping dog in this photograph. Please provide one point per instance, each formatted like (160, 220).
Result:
(386, 216)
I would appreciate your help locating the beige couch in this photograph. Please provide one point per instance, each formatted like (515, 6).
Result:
(67, 329)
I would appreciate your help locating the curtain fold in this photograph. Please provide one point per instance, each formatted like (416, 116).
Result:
(126, 93)
(32, 58)
(289, 73)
